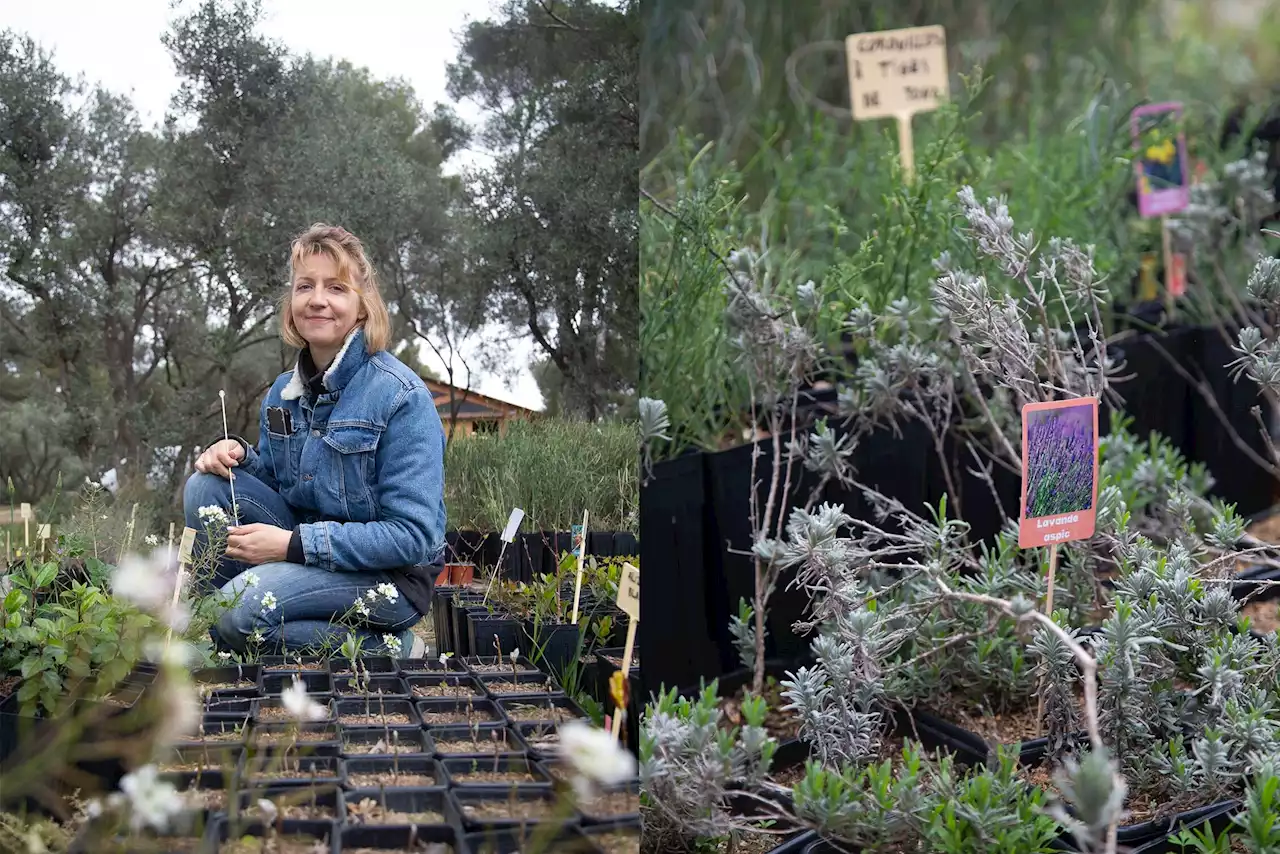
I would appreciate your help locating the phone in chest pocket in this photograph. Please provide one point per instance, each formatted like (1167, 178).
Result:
(279, 420)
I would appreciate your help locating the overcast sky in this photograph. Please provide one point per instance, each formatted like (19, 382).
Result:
(117, 44)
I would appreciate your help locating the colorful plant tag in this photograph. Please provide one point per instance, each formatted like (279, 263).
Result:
(1059, 472)
(1160, 164)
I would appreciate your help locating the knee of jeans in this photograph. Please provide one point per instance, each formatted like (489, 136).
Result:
(201, 489)
(236, 625)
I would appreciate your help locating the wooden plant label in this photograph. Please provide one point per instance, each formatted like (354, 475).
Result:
(1059, 472)
(896, 74)
(184, 548)
(24, 512)
(44, 531)
(629, 603)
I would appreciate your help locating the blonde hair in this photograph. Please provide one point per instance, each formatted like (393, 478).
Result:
(357, 273)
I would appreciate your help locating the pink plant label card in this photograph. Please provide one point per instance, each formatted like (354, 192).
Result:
(1059, 472)
(1160, 159)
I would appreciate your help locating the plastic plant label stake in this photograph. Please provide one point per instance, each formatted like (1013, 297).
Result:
(184, 549)
(896, 74)
(580, 541)
(24, 510)
(1160, 165)
(508, 534)
(513, 524)
(629, 603)
(44, 531)
(1059, 472)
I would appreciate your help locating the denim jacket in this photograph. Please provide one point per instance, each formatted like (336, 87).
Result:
(364, 461)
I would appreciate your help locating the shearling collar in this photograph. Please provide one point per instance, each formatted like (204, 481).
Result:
(344, 366)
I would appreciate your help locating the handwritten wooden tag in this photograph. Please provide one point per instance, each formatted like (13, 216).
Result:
(629, 591)
(184, 549)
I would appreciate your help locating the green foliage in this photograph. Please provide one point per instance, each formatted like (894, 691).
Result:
(552, 469)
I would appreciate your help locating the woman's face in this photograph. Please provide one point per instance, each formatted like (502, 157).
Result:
(324, 309)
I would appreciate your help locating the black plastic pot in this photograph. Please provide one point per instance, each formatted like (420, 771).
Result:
(399, 837)
(303, 771)
(215, 726)
(365, 741)
(215, 760)
(539, 683)
(568, 838)
(407, 800)
(381, 664)
(221, 830)
(294, 663)
(1147, 832)
(532, 735)
(464, 683)
(628, 829)
(372, 712)
(463, 546)
(231, 674)
(386, 687)
(1218, 820)
(465, 799)
(590, 816)
(515, 709)
(229, 707)
(263, 708)
(314, 739)
(457, 768)
(319, 685)
(430, 667)
(529, 551)
(441, 617)
(553, 544)
(323, 797)
(187, 782)
(625, 544)
(551, 647)
(472, 711)
(491, 631)
(483, 665)
(509, 742)
(421, 765)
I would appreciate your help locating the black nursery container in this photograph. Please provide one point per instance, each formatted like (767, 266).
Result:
(506, 686)
(478, 741)
(419, 766)
(222, 830)
(567, 838)
(420, 800)
(375, 711)
(552, 647)
(465, 712)
(300, 770)
(372, 664)
(460, 685)
(327, 798)
(400, 837)
(488, 631)
(457, 771)
(386, 687)
(319, 684)
(467, 800)
(605, 668)
(539, 708)
(243, 680)
(383, 741)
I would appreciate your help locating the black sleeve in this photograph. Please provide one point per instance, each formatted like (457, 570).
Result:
(295, 548)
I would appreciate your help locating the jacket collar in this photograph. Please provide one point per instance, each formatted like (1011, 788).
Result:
(350, 359)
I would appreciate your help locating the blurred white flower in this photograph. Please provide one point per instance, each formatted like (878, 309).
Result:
(256, 637)
(268, 601)
(152, 540)
(361, 608)
(182, 712)
(225, 656)
(251, 579)
(152, 801)
(212, 513)
(148, 583)
(302, 707)
(389, 591)
(372, 593)
(595, 757)
(444, 657)
(515, 653)
(392, 643)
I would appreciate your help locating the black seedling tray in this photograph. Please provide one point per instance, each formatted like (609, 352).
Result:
(455, 768)
(385, 686)
(508, 840)
(328, 771)
(221, 830)
(322, 796)
(430, 666)
(229, 706)
(278, 663)
(560, 701)
(463, 798)
(464, 681)
(329, 745)
(589, 817)
(216, 759)
(525, 732)
(213, 725)
(404, 764)
(523, 665)
(545, 683)
(404, 800)
(319, 685)
(399, 837)
(376, 708)
(482, 710)
(231, 673)
(276, 703)
(512, 745)
(373, 664)
(412, 740)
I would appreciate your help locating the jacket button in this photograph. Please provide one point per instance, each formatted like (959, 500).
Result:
(315, 432)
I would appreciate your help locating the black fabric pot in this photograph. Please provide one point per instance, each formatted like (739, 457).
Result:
(463, 546)
(552, 647)
(600, 543)
(682, 572)
(625, 544)
(530, 550)
(554, 542)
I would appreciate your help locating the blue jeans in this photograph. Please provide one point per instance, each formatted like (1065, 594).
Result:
(308, 600)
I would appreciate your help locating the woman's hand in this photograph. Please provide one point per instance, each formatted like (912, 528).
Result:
(257, 543)
(219, 459)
